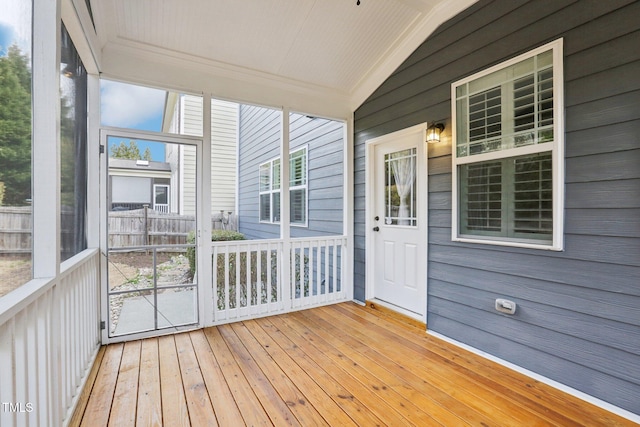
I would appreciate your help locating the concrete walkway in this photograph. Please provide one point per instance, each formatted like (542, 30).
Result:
(175, 308)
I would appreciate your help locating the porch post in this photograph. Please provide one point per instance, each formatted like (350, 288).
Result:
(285, 231)
(206, 302)
(46, 139)
(45, 169)
(348, 206)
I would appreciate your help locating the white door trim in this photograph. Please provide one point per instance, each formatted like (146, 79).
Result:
(370, 146)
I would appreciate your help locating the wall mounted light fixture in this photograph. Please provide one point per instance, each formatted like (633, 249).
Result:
(434, 131)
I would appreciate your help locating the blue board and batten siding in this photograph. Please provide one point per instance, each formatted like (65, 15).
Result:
(578, 317)
(260, 142)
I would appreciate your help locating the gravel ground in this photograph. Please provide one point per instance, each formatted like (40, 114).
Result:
(15, 271)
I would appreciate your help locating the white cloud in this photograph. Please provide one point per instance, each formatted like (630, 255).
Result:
(125, 105)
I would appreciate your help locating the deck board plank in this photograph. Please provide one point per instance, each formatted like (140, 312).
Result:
(296, 399)
(99, 405)
(337, 344)
(495, 408)
(547, 401)
(149, 400)
(278, 410)
(315, 394)
(173, 400)
(353, 407)
(350, 365)
(83, 400)
(442, 406)
(125, 402)
(195, 391)
(341, 372)
(224, 405)
(252, 411)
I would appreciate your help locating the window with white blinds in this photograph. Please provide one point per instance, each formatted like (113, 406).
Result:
(509, 149)
(269, 183)
(509, 197)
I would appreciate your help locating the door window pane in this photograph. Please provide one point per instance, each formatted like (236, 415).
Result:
(400, 188)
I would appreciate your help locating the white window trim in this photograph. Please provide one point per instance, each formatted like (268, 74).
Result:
(556, 147)
(271, 191)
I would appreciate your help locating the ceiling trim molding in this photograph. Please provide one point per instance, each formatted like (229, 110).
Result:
(404, 47)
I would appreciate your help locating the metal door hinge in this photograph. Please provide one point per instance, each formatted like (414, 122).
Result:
(103, 325)
(101, 148)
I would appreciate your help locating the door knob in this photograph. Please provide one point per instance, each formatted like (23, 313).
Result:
(376, 228)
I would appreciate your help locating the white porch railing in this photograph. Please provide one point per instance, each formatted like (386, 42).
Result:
(49, 336)
(254, 278)
(161, 207)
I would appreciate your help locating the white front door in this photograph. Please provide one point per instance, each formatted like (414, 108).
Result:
(399, 222)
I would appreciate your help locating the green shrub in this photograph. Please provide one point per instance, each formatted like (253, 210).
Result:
(216, 236)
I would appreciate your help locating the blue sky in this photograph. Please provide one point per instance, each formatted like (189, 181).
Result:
(133, 107)
(6, 37)
(15, 26)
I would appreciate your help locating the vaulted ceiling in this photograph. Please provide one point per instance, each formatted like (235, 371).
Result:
(333, 51)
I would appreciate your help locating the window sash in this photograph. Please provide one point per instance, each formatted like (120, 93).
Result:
(509, 198)
(509, 108)
(269, 187)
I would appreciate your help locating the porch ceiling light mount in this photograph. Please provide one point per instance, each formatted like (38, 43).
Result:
(433, 132)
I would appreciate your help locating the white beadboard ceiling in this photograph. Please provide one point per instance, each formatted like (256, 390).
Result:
(315, 48)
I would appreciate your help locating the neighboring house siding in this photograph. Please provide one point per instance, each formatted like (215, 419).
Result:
(260, 141)
(578, 316)
(190, 124)
(224, 134)
(187, 180)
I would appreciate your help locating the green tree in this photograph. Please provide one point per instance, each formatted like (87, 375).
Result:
(15, 127)
(131, 151)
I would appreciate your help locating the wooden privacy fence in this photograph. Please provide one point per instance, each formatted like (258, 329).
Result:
(126, 228)
(142, 227)
(15, 229)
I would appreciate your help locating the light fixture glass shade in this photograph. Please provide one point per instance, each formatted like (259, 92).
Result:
(433, 132)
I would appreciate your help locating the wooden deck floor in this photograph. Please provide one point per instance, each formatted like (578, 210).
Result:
(340, 365)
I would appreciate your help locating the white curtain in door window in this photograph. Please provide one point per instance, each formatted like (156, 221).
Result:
(404, 172)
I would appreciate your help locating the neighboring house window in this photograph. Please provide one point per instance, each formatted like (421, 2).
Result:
(270, 189)
(161, 198)
(508, 176)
